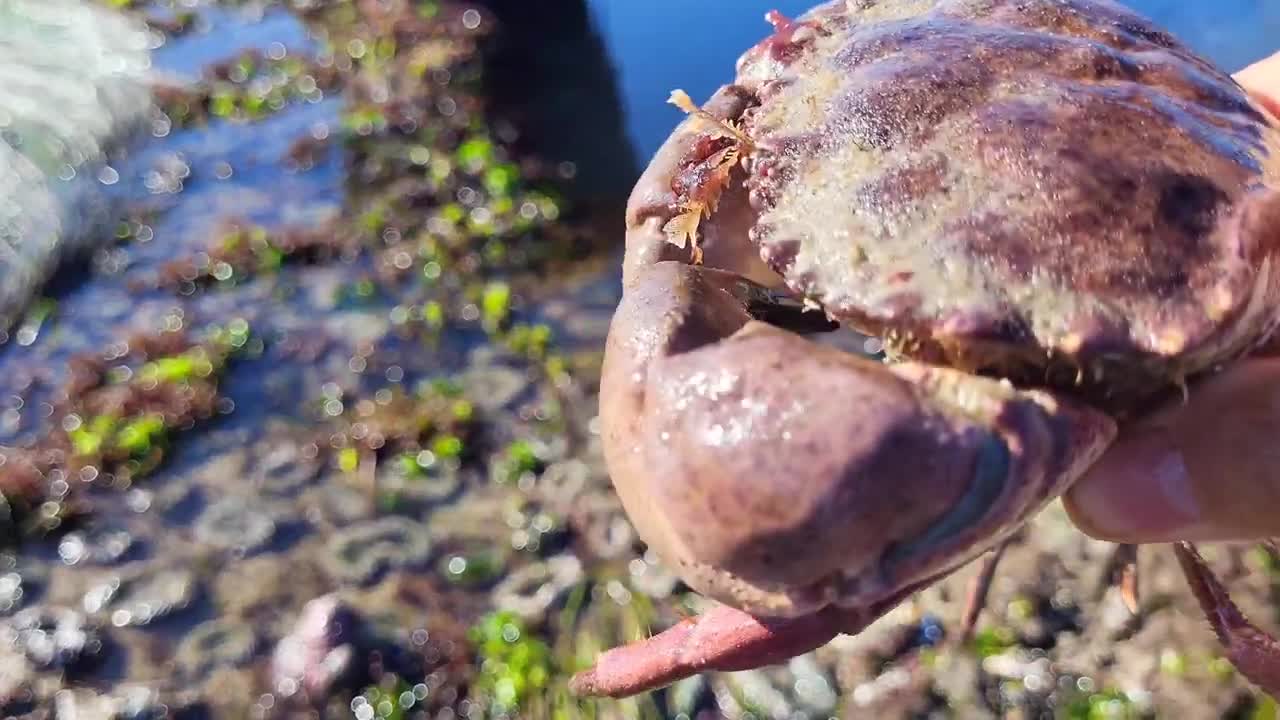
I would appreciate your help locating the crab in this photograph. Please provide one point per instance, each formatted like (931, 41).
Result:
(1053, 216)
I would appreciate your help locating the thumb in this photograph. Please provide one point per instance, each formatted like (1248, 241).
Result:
(1262, 80)
(1208, 470)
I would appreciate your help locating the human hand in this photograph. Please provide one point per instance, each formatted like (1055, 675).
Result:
(1262, 80)
(1208, 470)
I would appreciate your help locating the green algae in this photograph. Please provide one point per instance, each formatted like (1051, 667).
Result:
(515, 664)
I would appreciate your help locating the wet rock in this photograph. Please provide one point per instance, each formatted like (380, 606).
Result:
(236, 524)
(142, 598)
(215, 644)
(318, 655)
(531, 591)
(54, 638)
(363, 553)
(95, 547)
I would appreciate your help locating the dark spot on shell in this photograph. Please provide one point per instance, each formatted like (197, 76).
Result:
(1189, 203)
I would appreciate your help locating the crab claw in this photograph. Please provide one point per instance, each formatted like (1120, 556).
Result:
(1253, 652)
(789, 480)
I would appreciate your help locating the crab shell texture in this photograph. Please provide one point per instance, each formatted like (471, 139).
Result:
(1052, 212)
(1044, 189)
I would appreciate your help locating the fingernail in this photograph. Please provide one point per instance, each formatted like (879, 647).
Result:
(1143, 495)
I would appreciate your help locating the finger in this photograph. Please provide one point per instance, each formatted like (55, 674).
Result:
(1204, 471)
(1262, 80)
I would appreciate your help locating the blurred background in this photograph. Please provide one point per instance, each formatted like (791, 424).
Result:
(302, 307)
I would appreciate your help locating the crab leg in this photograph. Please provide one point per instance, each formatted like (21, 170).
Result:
(1127, 557)
(1254, 653)
(976, 598)
(1122, 570)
